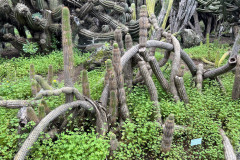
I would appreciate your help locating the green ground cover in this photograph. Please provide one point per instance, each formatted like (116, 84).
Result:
(141, 139)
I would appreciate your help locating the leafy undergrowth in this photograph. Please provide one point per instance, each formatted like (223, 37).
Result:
(209, 53)
(141, 138)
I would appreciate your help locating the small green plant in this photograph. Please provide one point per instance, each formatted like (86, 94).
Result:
(30, 48)
(55, 42)
(107, 45)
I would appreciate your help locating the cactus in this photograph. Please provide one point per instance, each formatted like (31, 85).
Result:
(41, 112)
(144, 25)
(33, 81)
(168, 130)
(151, 88)
(67, 51)
(46, 108)
(167, 14)
(223, 58)
(118, 39)
(113, 142)
(108, 71)
(83, 11)
(31, 115)
(17, 42)
(57, 13)
(43, 83)
(133, 7)
(116, 60)
(113, 107)
(236, 85)
(85, 84)
(53, 4)
(228, 148)
(50, 75)
(150, 6)
(199, 78)
(181, 89)
(127, 70)
(207, 40)
(217, 58)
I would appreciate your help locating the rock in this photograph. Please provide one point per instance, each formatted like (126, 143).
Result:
(98, 58)
(189, 38)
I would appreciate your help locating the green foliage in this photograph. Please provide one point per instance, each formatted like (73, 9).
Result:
(54, 43)
(41, 63)
(141, 138)
(72, 145)
(8, 133)
(18, 89)
(30, 48)
(209, 53)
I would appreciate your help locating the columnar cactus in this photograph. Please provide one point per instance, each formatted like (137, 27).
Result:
(133, 7)
(67, 51)
(118, 38)
(33, 81)
(170, 2)
(31, 115)
(46, 108)
(113, 106)
(43, 83)
(85, 84)
(236, 85)
(17, 42)
(108, 71)
(124, 112)
(127, 70)
(150, 6)
(199, 78)
(50, 74)
(41, 112)
(143, 32)
(168, 130)
(181, 89)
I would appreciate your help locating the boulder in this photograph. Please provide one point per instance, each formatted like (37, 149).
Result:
(189, 38)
